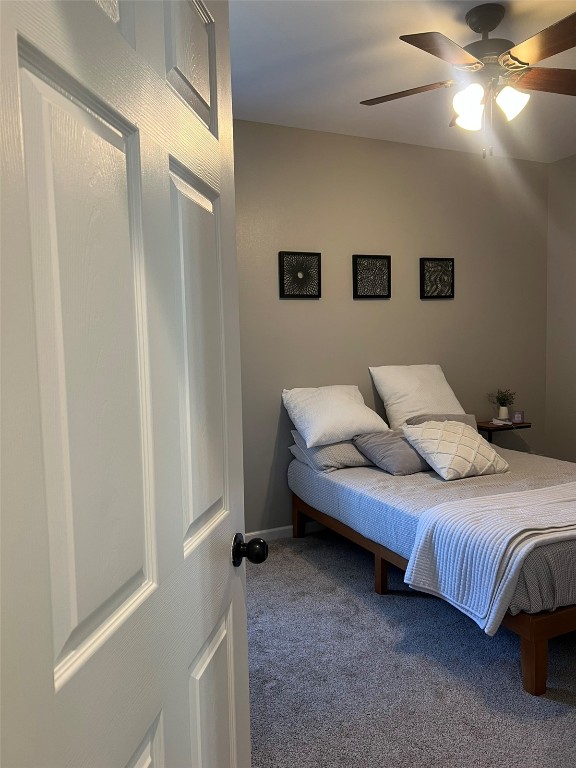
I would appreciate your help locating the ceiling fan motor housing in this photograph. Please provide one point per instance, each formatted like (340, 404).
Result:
(492, 73)
(484, 19)
(488, 50)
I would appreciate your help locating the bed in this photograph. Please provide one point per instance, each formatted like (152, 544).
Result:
(380, 512)
(491, 531)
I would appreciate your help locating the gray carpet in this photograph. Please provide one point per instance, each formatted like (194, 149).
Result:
(340, 676)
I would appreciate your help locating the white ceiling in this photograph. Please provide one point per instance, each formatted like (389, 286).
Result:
(308, 64)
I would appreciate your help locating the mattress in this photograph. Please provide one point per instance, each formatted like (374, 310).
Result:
(386, 509)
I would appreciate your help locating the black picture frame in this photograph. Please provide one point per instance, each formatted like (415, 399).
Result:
(436, 278)
(371, 277)
(299, 275)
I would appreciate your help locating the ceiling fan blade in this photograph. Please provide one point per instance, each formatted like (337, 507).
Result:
(444, 48)
(409, 92)
(554, 39)
(545, 79)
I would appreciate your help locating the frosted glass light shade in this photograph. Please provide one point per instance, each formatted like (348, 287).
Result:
(471, 120)
(511, 101)
(467, 104)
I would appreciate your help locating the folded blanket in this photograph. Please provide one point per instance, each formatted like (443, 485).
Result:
(470, 552)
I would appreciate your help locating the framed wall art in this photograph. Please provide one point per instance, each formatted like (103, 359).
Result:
(436, 278)
(299, 273)
(371, 277)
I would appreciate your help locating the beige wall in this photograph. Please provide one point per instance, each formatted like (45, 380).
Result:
(561, 325)
(341, 195)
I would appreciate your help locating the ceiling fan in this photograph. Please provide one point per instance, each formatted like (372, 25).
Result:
(493, 68)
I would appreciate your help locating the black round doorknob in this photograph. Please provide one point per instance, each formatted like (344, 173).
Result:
(256, 550)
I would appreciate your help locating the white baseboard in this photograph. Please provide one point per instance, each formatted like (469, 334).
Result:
(285, 532)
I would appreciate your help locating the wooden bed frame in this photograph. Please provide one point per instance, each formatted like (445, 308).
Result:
(534, 629)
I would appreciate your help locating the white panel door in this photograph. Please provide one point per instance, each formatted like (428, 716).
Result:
(123, 619)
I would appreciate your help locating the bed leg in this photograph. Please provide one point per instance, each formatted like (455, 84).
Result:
(534, 659)
(298, 521)
(380, 575)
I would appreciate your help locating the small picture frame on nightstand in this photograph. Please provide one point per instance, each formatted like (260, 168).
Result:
(517, 417)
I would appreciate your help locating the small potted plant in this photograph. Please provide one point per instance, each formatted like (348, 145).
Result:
(504, 399)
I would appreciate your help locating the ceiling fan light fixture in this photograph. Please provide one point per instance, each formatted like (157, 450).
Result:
(471, 120)
(511, 101)
(491, 65)
(469, 107)
(468, 98)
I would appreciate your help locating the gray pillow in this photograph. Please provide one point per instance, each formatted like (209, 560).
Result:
(463, 418)
(323, 458)
(391, 452)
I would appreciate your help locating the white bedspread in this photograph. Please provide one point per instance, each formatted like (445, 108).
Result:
(470, 552)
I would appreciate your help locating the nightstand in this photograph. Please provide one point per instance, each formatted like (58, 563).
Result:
(489, 428)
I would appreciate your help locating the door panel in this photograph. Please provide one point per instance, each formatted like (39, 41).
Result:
(90, 369)
(123, 627)
(190, 54)
(211, 715)
(195, 228)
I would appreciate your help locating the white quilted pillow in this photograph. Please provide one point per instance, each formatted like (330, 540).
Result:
(454, 450)
(332, 414)
(413, 390)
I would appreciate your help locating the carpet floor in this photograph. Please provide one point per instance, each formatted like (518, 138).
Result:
(340, 676)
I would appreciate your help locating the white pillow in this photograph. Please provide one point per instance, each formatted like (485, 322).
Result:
(332, 414)
(454, 450)
(413, 390)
